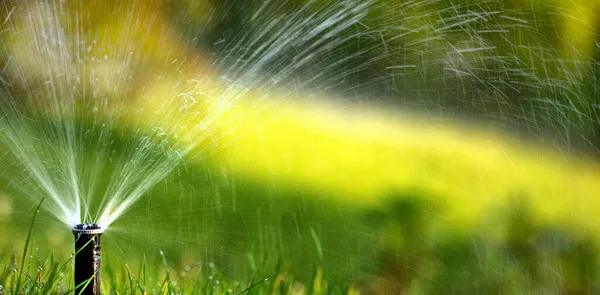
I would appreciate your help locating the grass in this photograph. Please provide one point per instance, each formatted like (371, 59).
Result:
(530, 259)
(44, 274)
(41, 272)
(361, 159)
(18, 286)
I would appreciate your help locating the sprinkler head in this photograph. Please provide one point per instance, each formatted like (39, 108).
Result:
(87, 258)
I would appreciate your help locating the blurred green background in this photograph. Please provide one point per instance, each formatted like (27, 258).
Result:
(407, 147)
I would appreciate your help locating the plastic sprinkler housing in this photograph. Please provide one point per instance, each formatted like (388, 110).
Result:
(87, 258)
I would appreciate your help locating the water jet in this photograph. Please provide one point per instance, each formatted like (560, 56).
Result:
(87, 258)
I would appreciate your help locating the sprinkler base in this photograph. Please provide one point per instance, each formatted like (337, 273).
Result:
(87, 258)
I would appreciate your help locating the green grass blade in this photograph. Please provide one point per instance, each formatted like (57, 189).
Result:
(87, 282)
(317, 243)
(35, 213)
(253, 285)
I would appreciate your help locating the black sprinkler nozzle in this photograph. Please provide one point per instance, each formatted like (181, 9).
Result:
(87, 258)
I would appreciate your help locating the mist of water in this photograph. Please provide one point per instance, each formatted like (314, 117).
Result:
(72, 87)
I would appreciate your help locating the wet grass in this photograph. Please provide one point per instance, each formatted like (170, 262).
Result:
(48, 275)
(45, 274)
(414, 257)
(38, 273)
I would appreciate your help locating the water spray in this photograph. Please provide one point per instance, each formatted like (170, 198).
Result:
(87, 258)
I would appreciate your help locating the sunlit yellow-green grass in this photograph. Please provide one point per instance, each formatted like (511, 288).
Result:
(362, 157)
